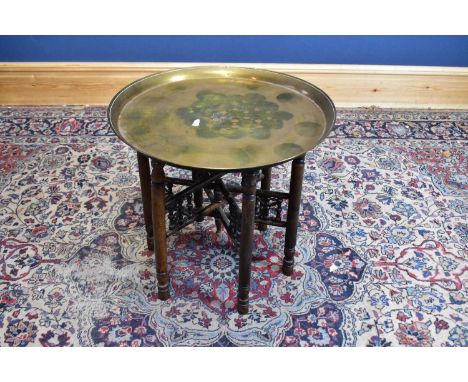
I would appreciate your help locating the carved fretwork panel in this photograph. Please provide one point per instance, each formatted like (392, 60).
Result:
(180, 212)
(234, 220)
(169, 189)
(268, 207)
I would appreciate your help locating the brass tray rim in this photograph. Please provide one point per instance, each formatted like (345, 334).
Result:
(238, 169)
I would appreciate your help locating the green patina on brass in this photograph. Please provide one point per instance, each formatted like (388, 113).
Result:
(246, 154)
(233, 116)
(308, 129)
(220, 122)
(288, 149)
(285, 97)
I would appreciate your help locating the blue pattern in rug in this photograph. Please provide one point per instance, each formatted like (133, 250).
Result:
(381, 255)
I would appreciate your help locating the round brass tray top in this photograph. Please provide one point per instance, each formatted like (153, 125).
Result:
(221, 118)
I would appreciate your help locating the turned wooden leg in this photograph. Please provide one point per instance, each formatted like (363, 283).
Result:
(249, 184)
(266, 183)
(145, 184)
(294, 204)
(159, 228)
(197, 195)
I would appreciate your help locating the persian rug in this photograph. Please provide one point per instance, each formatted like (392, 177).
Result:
(381, 257)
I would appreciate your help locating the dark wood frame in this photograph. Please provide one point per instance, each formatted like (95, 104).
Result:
(186, 206)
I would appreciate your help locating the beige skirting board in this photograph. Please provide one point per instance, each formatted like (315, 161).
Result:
(71, 83)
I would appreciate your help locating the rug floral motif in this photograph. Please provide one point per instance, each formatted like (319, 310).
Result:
(381, 257)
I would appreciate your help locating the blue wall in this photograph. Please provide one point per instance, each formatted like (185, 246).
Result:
(385, 50)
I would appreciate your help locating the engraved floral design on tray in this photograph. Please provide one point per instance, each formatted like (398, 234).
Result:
(233, 116)
(220, 122)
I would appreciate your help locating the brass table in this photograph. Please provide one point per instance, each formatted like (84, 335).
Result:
(216, 120)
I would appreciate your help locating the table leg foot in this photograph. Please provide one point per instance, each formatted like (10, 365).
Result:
(288, 263)
(294, 204)
(243, 305)
(163, 289)
(249, 184)
(159, 228)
